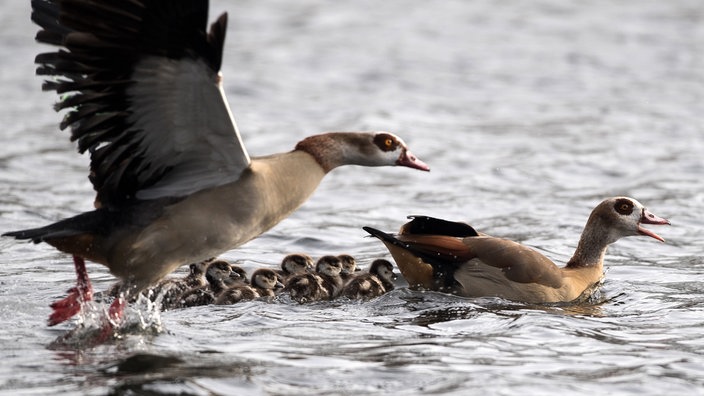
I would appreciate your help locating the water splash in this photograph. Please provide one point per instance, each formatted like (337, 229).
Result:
(141, 317)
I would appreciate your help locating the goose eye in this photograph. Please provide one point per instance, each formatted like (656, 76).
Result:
(386, 142)
(624, 207)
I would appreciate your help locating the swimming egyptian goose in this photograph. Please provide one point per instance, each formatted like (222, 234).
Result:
(452, 257)
(377, 281)
(140, 81)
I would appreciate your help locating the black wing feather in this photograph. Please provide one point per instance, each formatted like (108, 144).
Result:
(444, 266)
(102, 40)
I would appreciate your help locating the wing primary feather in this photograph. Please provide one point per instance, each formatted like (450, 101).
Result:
(107, 50)
(444, 254)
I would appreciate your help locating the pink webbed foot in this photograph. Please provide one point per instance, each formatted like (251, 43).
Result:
(115, 314)
(65, 308)
(69, 306)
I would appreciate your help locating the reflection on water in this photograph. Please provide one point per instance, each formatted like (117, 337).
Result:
(500, 308)
(529, 114)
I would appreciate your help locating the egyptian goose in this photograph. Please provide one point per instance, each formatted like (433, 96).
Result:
(294, 264)
(451, 257)
(324, 284)
(377, 281)
(141, 85)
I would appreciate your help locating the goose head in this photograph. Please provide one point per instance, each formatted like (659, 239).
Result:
(334, 149)
(389, 149)
(613, 219)
(620, 217)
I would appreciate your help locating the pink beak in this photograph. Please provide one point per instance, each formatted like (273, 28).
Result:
(408, 159)
(649, 218)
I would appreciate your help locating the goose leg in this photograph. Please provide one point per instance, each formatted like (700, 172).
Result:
(69, 306)
(115, 314)
(117, 310)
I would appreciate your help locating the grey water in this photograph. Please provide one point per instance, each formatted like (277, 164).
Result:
(529, 114)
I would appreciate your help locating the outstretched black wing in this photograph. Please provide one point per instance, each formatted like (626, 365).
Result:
(139, 80)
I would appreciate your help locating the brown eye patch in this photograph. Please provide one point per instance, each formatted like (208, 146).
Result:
(386, 142)
(624, 206)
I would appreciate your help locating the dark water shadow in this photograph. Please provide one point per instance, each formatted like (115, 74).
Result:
(436, 307)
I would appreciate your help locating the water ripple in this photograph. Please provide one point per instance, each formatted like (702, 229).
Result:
(529, 113)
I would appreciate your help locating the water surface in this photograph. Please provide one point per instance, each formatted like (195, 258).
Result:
(529, 113)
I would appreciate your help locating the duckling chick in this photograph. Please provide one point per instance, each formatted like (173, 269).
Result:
(236, 294)
(196, 274)
(265, 282)
(349, 267)
(168, 290)
(220, 275)
(237, 275)
(329, 268)
(377, 281)
(306, 288)
(195, 277)
(294, 264)
(172, 291)
(325, 284)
